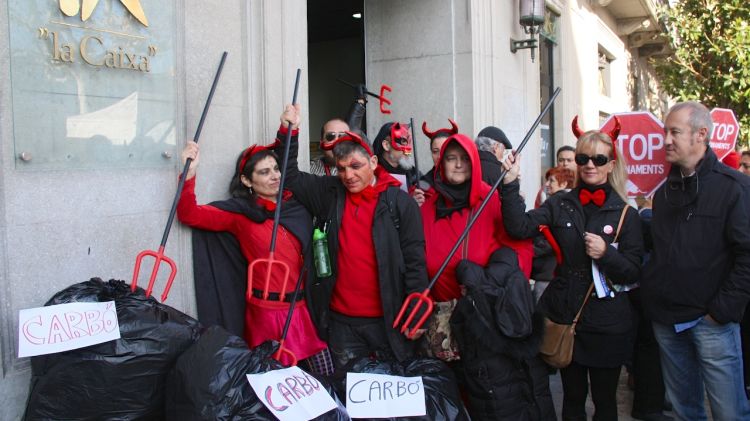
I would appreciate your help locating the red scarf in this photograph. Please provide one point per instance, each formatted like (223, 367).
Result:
(371, 193)
(269, 205)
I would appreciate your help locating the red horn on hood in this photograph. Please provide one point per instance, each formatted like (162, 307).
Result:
(577, 132)
(444, 131)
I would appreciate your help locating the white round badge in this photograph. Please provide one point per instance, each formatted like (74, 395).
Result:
(608, 229)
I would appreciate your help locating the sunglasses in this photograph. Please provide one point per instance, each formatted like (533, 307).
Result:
(331, 136)
(598, 160)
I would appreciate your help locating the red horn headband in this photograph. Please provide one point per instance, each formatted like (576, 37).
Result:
(447, 132)
(613, 134)
(252, 150)
(349, 137)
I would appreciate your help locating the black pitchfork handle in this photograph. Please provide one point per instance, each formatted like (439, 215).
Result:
(280, 195)
(414, 147)
(355, 87)
(185, 169)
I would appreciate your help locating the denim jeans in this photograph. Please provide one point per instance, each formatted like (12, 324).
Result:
(708, 354)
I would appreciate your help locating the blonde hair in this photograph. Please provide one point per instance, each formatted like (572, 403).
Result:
(619, 176)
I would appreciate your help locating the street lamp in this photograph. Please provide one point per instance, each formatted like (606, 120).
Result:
(532, 18)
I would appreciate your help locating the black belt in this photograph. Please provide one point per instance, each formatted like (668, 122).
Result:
(274, 296)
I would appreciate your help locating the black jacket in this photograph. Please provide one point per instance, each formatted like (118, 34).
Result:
(491, 167)
(499, 337)
(603, 319)
(398, 240)
(701, 258)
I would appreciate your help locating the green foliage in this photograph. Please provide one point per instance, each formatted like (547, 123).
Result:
(711, 60)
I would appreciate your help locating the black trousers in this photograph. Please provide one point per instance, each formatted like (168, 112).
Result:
(649, 384)
(351, 338)
(575, 382)
(745, 334)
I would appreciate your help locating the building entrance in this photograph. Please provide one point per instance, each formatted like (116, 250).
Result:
(335, 51)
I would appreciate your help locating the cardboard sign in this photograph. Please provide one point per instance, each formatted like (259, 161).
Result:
(291, 394)
(382, 396)
(58, 328)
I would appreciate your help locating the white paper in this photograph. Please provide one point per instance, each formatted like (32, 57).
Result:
(291, 394)
(600, 281)
(382, 396)
(401, 179)
(62, 327)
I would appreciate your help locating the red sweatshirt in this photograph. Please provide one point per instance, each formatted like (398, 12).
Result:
(357, 289)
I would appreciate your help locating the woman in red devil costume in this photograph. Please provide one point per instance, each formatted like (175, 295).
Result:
(458, 192)
(584, 222)
(248, 216)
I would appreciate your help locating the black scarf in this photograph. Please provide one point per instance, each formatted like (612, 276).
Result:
(452, 198)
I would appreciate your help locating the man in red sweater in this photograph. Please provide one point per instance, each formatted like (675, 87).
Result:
(376, 247)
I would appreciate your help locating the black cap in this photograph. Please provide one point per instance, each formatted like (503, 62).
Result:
(497, 135)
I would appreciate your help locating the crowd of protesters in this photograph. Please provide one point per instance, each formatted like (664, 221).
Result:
(677, 270)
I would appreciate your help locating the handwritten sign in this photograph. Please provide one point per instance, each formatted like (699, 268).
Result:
(58, 328)
(291, 394)
(382, 396)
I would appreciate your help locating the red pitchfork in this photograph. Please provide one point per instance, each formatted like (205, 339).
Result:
(282, 349)
(159, 255)
(381, 98)
(420, 299)
(271, 261)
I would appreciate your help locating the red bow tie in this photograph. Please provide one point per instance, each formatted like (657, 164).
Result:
(597, 197)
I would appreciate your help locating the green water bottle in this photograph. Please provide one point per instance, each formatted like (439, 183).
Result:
(320, 251)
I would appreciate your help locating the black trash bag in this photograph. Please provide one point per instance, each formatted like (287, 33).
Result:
(209, 381)
(442, 397)
(116, 380)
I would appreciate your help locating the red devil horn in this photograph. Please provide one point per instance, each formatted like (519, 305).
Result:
(426, 132)
(454, 127)
(444, 131)
(615, 132)
(576, 129)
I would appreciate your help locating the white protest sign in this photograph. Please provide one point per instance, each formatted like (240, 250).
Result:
(62, 327)
(382, 396)
(291, 394)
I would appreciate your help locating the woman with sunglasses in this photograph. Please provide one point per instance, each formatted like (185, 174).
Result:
(584, 223)
(248, 218)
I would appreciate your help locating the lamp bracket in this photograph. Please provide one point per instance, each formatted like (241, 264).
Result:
(516, 45)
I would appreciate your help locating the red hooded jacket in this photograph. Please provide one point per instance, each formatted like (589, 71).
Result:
(487, 235)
